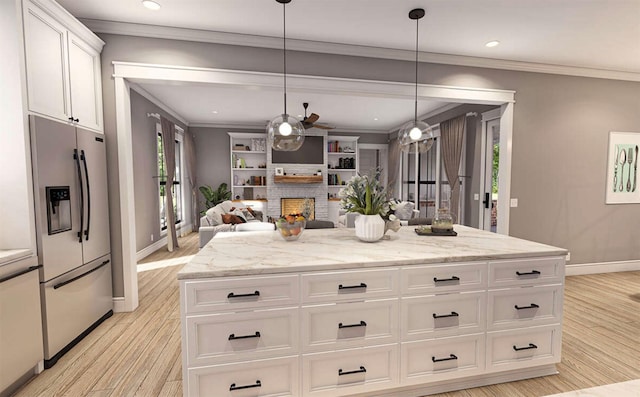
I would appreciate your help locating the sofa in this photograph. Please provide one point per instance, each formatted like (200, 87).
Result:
(230, 217)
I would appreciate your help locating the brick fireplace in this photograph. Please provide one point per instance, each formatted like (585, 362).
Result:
(296, 206)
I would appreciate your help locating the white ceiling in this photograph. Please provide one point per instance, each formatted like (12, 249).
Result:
(594, 34)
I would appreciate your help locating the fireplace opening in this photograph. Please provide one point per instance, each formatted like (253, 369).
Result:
(298, 206)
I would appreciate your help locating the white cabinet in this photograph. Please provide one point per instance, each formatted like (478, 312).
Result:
(388, 330)
(62, 66)
(248, 166)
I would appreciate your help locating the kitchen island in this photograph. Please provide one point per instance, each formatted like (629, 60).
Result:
(328, 315)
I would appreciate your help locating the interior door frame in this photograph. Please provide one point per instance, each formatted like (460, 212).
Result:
(377, 146)
(127, 73)
(484, 147)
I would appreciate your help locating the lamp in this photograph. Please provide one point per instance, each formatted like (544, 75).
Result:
(415, 131)
(285, 132)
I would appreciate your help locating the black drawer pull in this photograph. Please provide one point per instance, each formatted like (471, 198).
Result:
(357, 371)
(438, 360)
(62, 284)
(361, 324)
(531, 273)
(234, 387)
(20, 273)
(232, 295)
(453, 314)
(531, 346)
(362, 285)
(532, 306)
(443, 280)
(234, 337)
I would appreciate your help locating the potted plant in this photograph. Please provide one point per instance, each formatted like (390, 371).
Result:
(213, 197)
(365, 195)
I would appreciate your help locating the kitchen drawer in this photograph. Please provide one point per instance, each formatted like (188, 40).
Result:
(239, 293)
(349, 285)
(523, 348)
(526, 271)
(427, 316)
(347, 325)
(436, 278)
(523, 307)
(441, 359)
(350, 371)
(228, 336)
(263, 378)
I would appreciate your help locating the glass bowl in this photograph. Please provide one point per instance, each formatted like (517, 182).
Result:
(290, 229)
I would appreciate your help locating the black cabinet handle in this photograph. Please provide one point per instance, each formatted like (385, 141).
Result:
(234, 387)
(442, 280)
(531, 346)
(362, 285)
(20, 273)
(532, 306)
(234, 337)
(438, 360)
(62, 284)
(72, 119)
(232, 295)
(77, 120)
(357, 371)
(453, 314)
(531, 273)
(361, 324)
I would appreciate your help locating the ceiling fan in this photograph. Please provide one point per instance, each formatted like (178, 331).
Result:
(310, 122)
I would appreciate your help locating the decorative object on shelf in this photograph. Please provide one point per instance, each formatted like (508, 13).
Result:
(214, 197)
(285, 132)
(622, 168)
(442, 222)
(290, 227)
(416, 135)
(279, 171)
(366, 196)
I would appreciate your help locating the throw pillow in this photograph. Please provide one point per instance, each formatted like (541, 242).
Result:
(404, 210)
(214, 215)
(232, 219)
(248, 214)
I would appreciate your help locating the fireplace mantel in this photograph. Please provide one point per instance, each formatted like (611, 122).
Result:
(298, 179)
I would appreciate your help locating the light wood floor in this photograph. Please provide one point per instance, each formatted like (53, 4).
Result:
(139, 353)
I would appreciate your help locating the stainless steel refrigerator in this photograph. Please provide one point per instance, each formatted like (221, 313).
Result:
(72, 230)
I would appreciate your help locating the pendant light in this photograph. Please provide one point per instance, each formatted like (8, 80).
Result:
(285, 132)
(416, 135)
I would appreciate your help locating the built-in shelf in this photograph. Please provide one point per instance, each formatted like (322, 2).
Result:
(248, 151)
(248, 169)
(298, 179)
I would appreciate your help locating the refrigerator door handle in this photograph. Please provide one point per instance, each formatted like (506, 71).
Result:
(77, 159)
(86, 176)
(62, 284)
(20, 273)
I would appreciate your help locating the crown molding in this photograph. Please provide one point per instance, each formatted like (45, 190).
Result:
(70, 22)
(173, 33)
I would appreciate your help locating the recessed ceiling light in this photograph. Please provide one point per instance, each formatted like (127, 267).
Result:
(150, 4)
(214, 112)
(493, 43)
(375, 119)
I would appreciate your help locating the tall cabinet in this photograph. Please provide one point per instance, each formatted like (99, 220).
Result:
(248, 166)
(62, 66)
(342, 161)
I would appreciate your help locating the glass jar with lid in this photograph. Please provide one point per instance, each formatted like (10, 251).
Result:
(443, 221)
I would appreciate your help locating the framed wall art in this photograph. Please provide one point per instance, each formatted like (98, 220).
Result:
(622, 168)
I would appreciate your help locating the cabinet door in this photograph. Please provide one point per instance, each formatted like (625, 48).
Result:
(46, 64)
(85, 85)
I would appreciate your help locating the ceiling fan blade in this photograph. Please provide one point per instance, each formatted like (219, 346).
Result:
(312, 118)
(323, 127)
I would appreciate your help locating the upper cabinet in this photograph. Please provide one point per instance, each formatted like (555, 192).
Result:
(62, 66)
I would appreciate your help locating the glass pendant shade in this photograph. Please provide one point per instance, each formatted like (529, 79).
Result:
(286, 133)
(424, 133)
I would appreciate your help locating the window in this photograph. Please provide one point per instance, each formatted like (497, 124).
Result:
(175, 188)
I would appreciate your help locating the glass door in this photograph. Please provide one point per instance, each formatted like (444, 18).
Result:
(491, 166)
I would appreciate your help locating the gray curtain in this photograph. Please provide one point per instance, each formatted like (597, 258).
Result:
(190, 160)
(452, 134)
(394, 167)
(169, 145)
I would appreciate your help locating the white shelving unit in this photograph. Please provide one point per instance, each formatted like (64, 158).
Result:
(248, 166)
(342, 161)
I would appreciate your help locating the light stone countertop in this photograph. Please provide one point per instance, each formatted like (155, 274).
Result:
(12, 255)
(252, 253)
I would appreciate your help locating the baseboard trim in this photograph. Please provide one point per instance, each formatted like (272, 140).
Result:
(580, 269)
(119, 305)
(150, 249)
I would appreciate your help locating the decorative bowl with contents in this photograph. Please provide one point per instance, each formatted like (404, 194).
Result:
(291, 226)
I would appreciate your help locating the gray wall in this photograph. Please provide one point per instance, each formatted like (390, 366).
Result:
(145, 170)
(561, 126)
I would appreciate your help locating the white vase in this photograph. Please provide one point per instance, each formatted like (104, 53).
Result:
(369, 228)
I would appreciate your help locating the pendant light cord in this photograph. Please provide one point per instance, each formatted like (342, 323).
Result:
(415, 110)
(284, 52)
